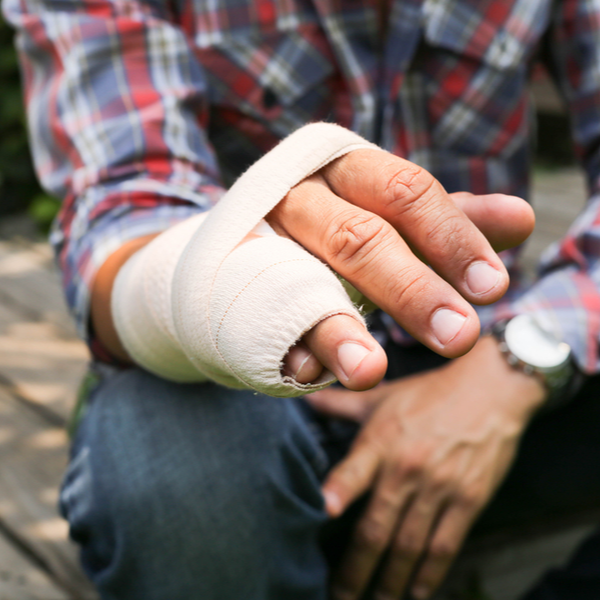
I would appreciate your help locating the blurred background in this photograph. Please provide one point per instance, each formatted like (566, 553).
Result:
(20, 193)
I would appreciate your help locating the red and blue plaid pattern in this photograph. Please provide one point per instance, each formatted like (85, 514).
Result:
(142, 111)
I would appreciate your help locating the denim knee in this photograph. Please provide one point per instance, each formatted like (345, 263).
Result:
(196, 491)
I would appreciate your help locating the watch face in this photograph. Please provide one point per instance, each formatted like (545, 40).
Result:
(534, 346)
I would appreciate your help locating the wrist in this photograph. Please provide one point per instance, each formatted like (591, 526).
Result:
(100, 308)
(534, 350)
(520, 393)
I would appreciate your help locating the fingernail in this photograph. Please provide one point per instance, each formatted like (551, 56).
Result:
(302, 365)
(482, 277)
(333, 505)
(350, 355)
(446, 324)
(420, 592)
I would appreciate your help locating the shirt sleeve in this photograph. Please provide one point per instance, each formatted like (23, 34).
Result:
(566, 296)
(117, 111)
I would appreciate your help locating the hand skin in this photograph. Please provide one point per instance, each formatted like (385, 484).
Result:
(363, 214)
(433, 449)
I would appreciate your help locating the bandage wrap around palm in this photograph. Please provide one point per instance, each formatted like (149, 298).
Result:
(195, 305)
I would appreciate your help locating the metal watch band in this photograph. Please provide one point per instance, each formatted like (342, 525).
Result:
(557, 381)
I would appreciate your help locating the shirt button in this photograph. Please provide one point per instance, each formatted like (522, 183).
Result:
(269, 99)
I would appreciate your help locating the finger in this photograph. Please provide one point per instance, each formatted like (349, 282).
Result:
(365, 250)
(355, 406)
(371, 538)
(348, 350)
(443, 548)
(416, 204)
(409, 545)
(350, 478)
(301, 364)
(506, 221)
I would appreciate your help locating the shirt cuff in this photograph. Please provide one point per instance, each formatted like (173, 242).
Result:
(565, 302)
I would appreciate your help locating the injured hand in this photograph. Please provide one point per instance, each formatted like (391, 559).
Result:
(197, 304)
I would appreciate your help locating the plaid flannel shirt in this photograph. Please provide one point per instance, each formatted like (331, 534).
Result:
(141, 112)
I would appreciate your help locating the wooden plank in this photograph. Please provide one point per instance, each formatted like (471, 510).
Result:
(33, 456)
(21, 579)
(30, 285)
(506, 570)
(40, 363)
(40, 357)
(43, 362)
(508, 574)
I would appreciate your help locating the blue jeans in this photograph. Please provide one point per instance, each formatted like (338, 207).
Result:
(183, 492)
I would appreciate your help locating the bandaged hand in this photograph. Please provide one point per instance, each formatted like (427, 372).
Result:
(210, 300)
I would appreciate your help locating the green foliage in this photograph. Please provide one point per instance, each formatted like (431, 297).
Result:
(42, 210)
(18, 185)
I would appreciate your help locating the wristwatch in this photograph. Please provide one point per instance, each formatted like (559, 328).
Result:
(531, 349)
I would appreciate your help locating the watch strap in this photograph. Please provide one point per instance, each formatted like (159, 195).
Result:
(560, 383)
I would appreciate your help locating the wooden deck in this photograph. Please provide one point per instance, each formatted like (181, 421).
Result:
(41, 363)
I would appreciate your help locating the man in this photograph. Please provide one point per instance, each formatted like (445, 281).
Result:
(142, 112)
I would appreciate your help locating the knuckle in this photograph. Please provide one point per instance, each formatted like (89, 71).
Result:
(355, 235)
(449, 228)
(413, 465)
(411, 286)
(442, 482)
(403, 476)
(410, 470)
(406, 185)
(385, 501)
(371, 536)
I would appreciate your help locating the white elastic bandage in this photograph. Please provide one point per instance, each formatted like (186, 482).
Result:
(196, 304)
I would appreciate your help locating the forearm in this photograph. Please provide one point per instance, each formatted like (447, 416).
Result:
(130, 159)
(100, 308)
